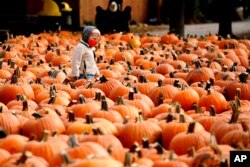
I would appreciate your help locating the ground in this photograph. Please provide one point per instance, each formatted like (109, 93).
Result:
(240, 28)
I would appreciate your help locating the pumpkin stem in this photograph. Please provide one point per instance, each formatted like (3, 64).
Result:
(52, 100)
(72, 85)
(160, 83)
(212, 111)
(233, 67)
(191, 151)
(58, 112)
(152, 70)
(25, 105)
(140, 117)
(225, 77)
(103, 79)
(97, 131)
(39, 81)
(196, 108)
(169, 118)
(82, 99)
(160, 99)
(235, 114)
(134, 147)
(131, 95)
(197, 64)
(89, 119)
(145, 142)
(191, 127)
(25, 155)
(224, 68)
(224, 162)
(214, 146)
(104, 105)
(127, 161)
(25, 67)
(3, 133)
(120, 101)
(17, 72)
(20, 97)
(71, 116)
(14, 79)
(182, 118)
(142, 79)
(174, 55)
(159, 148)
(125, 120)
(243, 77)
(171, 74)
(73, 142)
(176, 83)
(110, 149)
(45, 136)
(171, 155)
(37, 115)
(177, 108)
(139, 153)
(65, 157)
(1, 62)
(98, 96)
(208, 86)
(66, 81)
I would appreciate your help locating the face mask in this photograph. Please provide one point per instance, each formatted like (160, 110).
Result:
(92, 42)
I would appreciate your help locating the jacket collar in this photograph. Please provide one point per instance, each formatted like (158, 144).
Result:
(85, 43)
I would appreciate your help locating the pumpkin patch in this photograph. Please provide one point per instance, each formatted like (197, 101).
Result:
(159, 100)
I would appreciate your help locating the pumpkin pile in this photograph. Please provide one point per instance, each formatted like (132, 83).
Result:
(161, 100)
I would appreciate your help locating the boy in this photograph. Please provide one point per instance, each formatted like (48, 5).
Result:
(83, 61)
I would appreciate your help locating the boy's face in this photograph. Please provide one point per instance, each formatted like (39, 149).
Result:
(95, 35)
(94, 38)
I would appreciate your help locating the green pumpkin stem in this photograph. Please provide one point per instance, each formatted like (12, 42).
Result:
(45, 136)
(73, 142)
(66, 158)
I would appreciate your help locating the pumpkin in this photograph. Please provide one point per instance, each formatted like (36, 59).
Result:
(141, 128)
(186, 97)
(183, 141)
(108, 141)
(46, 148)
(9, 91)
(80, 150)
(230, 90)
(36, 127)
(25, 159)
